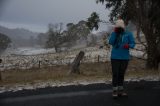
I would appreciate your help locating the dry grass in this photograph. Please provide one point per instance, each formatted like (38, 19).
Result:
(89, 71)
(137, 69)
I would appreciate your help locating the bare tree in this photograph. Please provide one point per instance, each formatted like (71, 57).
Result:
(54, 36)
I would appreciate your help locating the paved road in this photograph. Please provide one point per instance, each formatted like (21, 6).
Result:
(140, 94)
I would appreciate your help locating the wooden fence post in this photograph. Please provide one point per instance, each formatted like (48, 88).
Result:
(0, 71)
(76, 63)
(0, 76)
(98, 58)
(39, 64)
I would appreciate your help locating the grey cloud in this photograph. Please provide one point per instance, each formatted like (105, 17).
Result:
(46, 11)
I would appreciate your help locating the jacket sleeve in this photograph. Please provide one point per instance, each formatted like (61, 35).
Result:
(112, 38)
(131, 41)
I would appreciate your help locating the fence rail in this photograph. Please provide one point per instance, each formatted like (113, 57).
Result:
(65, 58)
(50, 59)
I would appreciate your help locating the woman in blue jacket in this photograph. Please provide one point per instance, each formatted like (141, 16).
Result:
(121, 41)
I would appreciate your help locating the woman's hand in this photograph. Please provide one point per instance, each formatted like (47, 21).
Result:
(126, 46)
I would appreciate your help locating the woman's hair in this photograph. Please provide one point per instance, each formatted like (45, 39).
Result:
(119, 31)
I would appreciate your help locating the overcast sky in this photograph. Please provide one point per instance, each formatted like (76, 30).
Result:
(36, 14)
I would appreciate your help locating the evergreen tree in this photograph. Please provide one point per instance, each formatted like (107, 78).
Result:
(145, 15)
(4, 42)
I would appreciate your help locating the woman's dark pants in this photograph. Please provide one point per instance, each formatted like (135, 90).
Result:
(118, 71)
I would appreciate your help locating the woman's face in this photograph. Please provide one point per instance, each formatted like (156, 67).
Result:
(119, 30)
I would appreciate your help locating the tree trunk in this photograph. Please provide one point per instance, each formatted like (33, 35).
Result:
(0, 71)
(57, 49)
(76, 63)
(0, 76)
(153, 54)
(153, 59)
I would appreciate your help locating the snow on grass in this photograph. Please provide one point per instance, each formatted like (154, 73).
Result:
(31, 51)
(27, 86)
(90, 52)
(25, 58)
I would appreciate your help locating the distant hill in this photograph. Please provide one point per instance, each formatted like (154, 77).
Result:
(19, 36)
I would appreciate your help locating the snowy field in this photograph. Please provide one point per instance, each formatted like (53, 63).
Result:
(28, 57)
(25, 58)
(28, 51)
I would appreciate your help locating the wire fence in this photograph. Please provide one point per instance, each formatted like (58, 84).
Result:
(51, 59)
(64, 58)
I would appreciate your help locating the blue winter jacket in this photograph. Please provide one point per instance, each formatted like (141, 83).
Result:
(119, 52)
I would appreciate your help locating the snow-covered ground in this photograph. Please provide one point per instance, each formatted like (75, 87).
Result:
(90, 52)
(28, 86)
(25, 58)
(28, 51)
